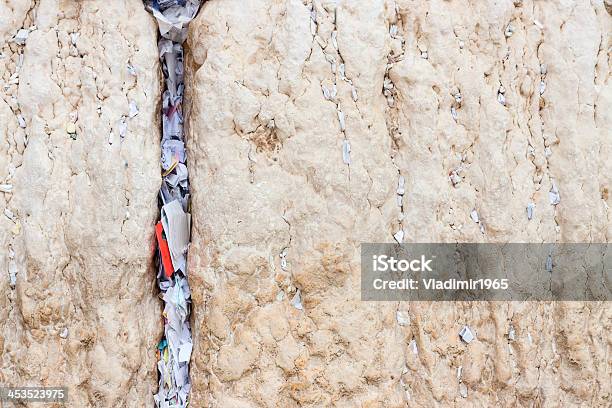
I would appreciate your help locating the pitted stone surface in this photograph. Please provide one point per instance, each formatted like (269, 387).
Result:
(83, 313)
(478, 106)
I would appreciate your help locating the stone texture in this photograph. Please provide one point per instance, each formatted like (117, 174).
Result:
(270, 185)
(81, 238)
(265, 154)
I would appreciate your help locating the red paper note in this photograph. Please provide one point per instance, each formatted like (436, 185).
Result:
(163, 249)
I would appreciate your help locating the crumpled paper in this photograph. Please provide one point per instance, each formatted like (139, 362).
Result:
(173, 17)
(174, 350)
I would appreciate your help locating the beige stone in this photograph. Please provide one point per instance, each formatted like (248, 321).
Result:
(83, 313)
(268, 177)
(276, 209)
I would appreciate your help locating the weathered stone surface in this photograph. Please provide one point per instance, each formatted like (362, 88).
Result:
(267, 170)
(271, 186)
(83, 313)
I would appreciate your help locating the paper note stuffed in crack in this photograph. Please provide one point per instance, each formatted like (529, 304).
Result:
(172, 151)
(177, 225)
(173, 17)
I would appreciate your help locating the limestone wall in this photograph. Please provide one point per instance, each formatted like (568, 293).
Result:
(476, 106)
(271, 186)
(83, 313)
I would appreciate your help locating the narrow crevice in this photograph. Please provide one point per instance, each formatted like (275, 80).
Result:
(392, 113)
(329, 88)
(173, 230)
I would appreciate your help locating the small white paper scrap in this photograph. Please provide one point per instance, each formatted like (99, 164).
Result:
(511, 333)
(21, 36)
(346, 152)
(466, 334)
(297, 301)
(413, 346)
(549, 263)
(401, 182)
(341, 120)
(133, 109)
(326, 92)
(530, 208)
(474, 216)
(185, 353)
(402, 318)
(553, 195)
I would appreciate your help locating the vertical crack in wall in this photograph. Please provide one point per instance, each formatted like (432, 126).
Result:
(392, 112)
(329, 88)
(173, 230)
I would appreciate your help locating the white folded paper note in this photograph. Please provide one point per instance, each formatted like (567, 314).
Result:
(177, 226)
(185, 353)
